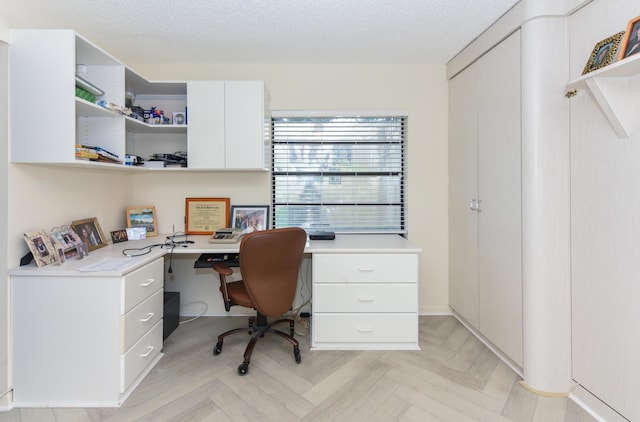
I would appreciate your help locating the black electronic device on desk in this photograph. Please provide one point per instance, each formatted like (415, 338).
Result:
(206, 260)
(322, 235)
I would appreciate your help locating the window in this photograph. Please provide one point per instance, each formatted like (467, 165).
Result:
(341, 174)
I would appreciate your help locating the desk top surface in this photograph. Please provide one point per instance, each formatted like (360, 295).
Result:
(111, 260)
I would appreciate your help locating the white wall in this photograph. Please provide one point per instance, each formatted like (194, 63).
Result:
(421, 90)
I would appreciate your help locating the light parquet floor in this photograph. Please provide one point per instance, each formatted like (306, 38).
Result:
(453, 378)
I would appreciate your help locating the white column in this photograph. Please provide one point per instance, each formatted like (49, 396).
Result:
(546, 212)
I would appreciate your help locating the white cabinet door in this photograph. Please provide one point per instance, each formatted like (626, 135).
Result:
(463, 188)
(485, 235)
(500, 218)
(244, 124)
(226, 124)
(205, 117)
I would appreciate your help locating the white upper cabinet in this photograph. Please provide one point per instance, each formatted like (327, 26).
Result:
(227, 121)
(48, 119)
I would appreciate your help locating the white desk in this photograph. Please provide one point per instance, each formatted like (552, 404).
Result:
(88, 338)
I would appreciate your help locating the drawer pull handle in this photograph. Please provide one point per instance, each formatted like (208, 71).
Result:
(366, 299)
(144, 355)
(151, 281)
(149, 316)
(365, 269)
(365, 330)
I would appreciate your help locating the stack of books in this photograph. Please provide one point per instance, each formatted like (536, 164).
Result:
(86, 152)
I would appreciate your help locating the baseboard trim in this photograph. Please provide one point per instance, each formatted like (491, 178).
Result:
(504, 358)
(543, 393)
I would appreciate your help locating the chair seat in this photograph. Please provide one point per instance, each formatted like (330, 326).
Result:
(238, 294)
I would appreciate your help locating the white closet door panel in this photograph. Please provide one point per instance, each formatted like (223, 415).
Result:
(206, 130)
(500, 218)
(463, 188)
(605, 259)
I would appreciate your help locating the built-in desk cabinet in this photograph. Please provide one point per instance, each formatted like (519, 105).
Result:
(48, 120)
(365, 301)
(84, 340)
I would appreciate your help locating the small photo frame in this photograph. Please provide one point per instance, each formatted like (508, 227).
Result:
(144, 216)
(118, 236)
(69, 243)
(90, 232)
(631, 42)
(604, 53)
(43, 250)
(205, 215)
(249, 217)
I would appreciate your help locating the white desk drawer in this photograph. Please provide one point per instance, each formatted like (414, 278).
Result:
(140, 355)
(142, 283)
(365, 328)
(355, 298)
(365, 268)
(139, 320)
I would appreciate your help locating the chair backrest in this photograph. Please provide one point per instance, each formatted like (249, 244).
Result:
(269, 263)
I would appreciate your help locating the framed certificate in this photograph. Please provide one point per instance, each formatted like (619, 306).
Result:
(206, 215)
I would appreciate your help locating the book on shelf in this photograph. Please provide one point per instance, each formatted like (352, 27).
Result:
(96, 153)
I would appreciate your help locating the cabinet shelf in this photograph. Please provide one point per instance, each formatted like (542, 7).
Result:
(138, 126)
(615, 89)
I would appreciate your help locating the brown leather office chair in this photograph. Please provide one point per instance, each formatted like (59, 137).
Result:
(269, 264)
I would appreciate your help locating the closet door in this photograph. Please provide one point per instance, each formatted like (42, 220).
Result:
(499, 181)
(463, 188)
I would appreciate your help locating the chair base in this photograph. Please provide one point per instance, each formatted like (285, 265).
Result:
(258, 327)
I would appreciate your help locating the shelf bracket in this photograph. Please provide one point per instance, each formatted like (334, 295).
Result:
(615, 97)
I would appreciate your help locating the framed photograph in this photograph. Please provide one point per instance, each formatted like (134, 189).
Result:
(118, 236)
(90, 232)
(69, 243)
(43, 250)
(631, 42)
(604, 53)
(143, 217)
(205, 215)
(249, 217)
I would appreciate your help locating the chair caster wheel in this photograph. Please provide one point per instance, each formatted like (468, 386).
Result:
(218, 349)
(243, 368)
(296, 354)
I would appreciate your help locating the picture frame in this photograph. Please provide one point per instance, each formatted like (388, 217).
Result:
(68, 242)
(42, 248)
(249, 217)
(143, 216)
(205, 215)
(631, 41)
(118, 236)
(604, 53)
(90, 232)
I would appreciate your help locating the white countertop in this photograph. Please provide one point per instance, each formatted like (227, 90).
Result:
(146, 250)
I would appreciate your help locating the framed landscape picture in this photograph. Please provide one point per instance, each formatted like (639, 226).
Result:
(145, 217)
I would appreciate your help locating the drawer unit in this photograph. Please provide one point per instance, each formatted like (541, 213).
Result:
(366, 328)
(364, 297)
(140, 356)
(84, 339)
(141, 283)
(365, 268)
(365, 301)
(139, 320)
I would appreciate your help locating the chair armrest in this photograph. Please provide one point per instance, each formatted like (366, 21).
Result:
(222, 268)
(223, 271)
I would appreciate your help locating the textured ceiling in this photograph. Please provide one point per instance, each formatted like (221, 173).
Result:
(266, 31)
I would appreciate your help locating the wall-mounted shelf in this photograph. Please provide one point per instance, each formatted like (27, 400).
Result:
(615, 88)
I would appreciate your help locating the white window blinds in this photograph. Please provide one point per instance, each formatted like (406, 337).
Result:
(343, 174)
